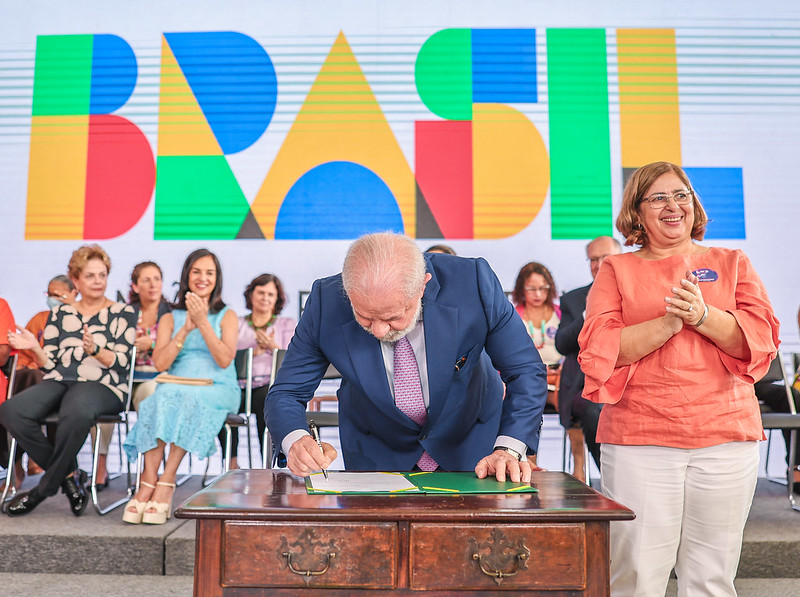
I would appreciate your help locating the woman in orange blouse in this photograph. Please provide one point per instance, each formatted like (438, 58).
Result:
(675, 336)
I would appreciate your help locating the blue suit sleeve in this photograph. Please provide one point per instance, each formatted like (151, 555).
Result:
(513, 354)
(302, 370)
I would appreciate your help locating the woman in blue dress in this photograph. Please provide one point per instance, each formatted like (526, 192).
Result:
(196, 340)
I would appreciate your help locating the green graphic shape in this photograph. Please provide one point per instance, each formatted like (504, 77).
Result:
(197, 198)
(62, 78)
(443, 74)
(580, 146)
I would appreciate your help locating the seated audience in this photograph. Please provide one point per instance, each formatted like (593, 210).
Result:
(573, 409)
(264, 331)
(86, 350)
(146, 297)
(196, 340)
(534, 298)
(60, 291)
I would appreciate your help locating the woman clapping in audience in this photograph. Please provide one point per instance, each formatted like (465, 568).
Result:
(196, 340)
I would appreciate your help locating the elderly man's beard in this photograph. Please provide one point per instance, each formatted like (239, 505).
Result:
(395, 335)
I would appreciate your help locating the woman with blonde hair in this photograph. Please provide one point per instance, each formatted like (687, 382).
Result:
(86, 353)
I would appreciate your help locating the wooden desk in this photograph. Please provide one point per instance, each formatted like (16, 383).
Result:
(254, 527)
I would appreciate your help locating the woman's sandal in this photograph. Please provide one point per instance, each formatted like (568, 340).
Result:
(140, 507)
(163, 511)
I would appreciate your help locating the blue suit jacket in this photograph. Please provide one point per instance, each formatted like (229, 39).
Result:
(465, 311)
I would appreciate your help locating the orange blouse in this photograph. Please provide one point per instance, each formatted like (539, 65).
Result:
(688, 393)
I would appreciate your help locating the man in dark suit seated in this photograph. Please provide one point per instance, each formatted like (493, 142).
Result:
(571, 405)
(419, 340)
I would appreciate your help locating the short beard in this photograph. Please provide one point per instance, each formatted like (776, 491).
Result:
(395, 335)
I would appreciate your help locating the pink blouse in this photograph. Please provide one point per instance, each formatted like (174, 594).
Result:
(688, 393)
(262, 364)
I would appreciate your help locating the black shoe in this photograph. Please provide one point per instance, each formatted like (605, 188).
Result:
(103, 485)
(25, 502)
(73, 486)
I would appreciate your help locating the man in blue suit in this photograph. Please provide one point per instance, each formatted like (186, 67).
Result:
(462, 330)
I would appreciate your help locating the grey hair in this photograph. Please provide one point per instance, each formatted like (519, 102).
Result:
(382, 262)
(64, 280)
(611, 238)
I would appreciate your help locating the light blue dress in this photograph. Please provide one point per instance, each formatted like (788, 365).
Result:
(187, 416)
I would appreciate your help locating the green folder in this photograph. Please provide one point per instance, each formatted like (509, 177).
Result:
(431, 483)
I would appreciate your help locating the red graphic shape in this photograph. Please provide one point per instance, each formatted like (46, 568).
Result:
(120, 174)
(443, 156)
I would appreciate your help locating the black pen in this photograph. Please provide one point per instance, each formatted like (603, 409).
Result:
(312, 426)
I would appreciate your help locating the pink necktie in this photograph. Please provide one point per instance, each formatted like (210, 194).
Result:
(408, 392)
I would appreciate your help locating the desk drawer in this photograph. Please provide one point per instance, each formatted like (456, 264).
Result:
(450, 556)
(263, 554)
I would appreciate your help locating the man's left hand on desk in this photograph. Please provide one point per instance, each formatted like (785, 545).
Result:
(501, 465)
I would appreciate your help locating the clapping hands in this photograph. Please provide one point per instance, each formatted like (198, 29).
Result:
(24, 340)
(196, 309)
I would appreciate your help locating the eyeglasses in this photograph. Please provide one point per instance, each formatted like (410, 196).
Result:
(660, 200)
(54, 295)
(597, 259)
(535, 290)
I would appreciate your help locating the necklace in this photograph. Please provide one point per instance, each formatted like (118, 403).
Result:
(531, 329)
(249, 319)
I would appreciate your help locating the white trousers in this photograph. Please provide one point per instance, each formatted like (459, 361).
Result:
(691, 506)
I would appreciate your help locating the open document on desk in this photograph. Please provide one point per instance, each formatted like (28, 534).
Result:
(352, 482)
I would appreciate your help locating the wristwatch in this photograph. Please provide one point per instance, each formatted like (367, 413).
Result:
(514, 453)
(96, 350)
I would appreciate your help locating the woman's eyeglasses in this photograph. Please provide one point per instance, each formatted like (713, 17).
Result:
(660, 200)
(539, 290)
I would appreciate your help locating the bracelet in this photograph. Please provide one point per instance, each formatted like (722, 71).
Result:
(96, 350)
(153, 345)
(179, 343)
(703, 318)
(514, 453)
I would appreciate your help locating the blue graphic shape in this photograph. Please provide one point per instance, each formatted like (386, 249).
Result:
(233, 80)
(721, 192)
(337, 200)
(114, 73)
(504, 66)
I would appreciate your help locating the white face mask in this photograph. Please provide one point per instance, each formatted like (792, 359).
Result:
(53, 302)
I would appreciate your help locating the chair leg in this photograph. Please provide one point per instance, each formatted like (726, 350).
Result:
(11, 477)
(101, 510)
(249, 443)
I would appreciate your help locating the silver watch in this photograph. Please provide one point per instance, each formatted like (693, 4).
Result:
(511, 451)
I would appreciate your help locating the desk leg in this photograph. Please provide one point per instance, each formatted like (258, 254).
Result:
(598, 577)
(207, 559)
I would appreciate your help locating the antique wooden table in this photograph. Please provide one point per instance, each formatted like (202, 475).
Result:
(259, 533)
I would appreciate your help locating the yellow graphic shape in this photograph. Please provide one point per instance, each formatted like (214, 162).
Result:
(57, 177)
(510, 171)
(182, 127)
(648, 96)
(340, 120)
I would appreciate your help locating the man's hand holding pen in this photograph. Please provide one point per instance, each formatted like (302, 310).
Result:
(305, 456)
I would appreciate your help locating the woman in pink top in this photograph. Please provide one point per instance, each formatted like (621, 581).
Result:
(265, 332)
(675, 336)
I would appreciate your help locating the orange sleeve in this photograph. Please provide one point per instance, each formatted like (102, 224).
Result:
(600, 339)
(757, 321)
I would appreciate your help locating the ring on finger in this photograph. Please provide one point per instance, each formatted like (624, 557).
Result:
(690, 308)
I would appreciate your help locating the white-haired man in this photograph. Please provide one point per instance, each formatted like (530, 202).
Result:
(419, 340)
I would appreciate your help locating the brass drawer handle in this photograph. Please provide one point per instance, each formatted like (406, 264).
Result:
(329, 557)
(499, 575)
(502, 552)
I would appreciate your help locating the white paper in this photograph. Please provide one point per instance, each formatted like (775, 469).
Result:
(353, 482)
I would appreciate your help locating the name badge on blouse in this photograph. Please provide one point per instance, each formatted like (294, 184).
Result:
(706, 275)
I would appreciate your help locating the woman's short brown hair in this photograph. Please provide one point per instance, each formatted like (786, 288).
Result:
(628, 220)
(82, 256)
(518, 296)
